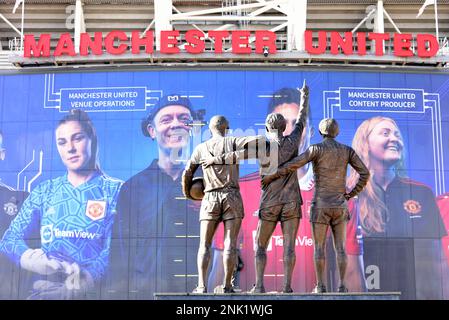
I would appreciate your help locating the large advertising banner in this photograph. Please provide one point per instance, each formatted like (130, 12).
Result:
(91, 205)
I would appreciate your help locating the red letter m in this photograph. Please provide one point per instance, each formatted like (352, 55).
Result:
(41, 49)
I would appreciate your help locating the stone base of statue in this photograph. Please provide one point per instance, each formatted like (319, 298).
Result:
(279, 296)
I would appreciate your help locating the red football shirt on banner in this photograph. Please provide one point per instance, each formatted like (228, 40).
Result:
(443, 204)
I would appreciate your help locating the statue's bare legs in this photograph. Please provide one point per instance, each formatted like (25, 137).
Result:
(231, 230)
(339, 238)
(207, 231)
(319, 231)
(264, 231)
(289, 231)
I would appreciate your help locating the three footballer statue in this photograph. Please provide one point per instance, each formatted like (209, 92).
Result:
(281, 198)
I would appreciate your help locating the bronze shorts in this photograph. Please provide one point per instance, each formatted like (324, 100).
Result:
(224, 204)
(282, 212)
(329, 216)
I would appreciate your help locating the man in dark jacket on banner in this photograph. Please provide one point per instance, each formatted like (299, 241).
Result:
(156, 231)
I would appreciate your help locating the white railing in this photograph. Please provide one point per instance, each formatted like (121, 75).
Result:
(15, 44)
(444, 47)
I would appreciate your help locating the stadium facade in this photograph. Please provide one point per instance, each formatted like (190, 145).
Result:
(146, 76)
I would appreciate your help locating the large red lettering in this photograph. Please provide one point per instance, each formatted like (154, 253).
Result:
(379, 39)
(42, 48)
(195, 41)
(147, 40)
(402, 44)
(218, 37)
(96, 45)
(361, 43)
(322, 42)
(110, 39)
(169, 41)
(337, 42)
(265, 39)
(427, 45)
(65, 46)
(240, 42)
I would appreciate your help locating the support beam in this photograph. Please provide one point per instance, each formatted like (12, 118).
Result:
(297, 21)
(189, 15)
(364, 19)
(80, 26)
(379, 26)
(437, 32)
(261, 7)
(260, 11)
(162, 17)
(11, 25)
(193, 24)
(252, 39)
(22, 25)
(391, 21)
(276, 7)
(379, 18)
(148, 28)
(228, 18)
(275, 29)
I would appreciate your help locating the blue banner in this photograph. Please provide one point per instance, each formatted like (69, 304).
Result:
(381, 100)
(103, 99)
(126, 224)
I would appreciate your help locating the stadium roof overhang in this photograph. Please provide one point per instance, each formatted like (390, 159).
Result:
(290, 54)
(219, 2)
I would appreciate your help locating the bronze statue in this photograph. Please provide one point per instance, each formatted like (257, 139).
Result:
(281, 200)
(329, 207)
(221, 201)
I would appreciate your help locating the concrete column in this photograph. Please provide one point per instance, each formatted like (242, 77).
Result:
(80, 26)
(379, 22)
(162, 15)
(297, 22)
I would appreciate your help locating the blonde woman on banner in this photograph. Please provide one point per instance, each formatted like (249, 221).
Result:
(400, 220)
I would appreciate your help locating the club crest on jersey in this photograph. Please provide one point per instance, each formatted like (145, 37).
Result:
(413, 207)
(47, 233)
(10, 207)
(95, 209)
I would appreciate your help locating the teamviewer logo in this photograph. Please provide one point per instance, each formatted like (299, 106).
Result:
(47, 233)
